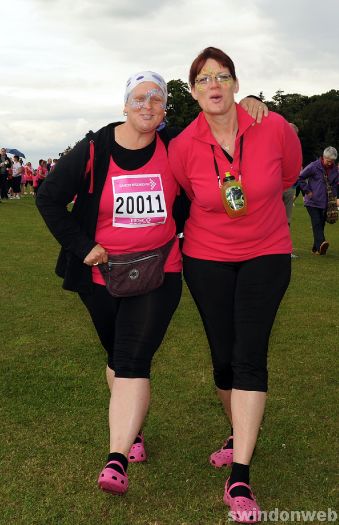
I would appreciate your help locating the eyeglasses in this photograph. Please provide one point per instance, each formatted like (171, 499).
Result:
(153, 97)
(221, 78)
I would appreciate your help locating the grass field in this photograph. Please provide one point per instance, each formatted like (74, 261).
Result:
(54, 435)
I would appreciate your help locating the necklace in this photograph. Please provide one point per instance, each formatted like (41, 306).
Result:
(227, 145)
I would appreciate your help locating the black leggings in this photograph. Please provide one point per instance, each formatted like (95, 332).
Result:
(131, 329)
(238, 303)
(15, 182)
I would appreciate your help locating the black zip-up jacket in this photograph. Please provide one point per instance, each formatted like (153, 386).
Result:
(75, 230)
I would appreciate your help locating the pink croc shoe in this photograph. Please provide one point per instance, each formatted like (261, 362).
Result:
(243, 510)
(137, 453)
(110, 480)
(222, 457)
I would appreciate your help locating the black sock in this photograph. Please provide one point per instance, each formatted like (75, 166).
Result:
(138, 438)
(230, 441)
(240, 474)
(116, 456)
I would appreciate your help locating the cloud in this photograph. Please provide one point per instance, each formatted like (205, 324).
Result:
(308, 30)
(65, 71)
(91, 10)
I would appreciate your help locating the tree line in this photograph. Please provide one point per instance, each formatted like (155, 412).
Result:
(317, 116)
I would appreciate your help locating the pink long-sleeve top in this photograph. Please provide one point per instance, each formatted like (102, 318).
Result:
(270, 163)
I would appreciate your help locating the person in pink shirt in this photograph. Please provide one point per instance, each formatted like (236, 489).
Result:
(28, 178)
(236, 250)
(42, 171)
(35, 182)
(125, 193)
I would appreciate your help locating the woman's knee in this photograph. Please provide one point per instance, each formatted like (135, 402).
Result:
(252, 378)
(223, 378)
(132, 371)
(133, 364)
(242, 377)
(243, 371)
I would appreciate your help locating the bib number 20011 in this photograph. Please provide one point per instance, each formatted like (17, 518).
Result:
(140, 204)
(138, 201)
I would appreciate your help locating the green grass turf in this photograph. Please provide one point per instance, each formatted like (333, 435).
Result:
(53, 433)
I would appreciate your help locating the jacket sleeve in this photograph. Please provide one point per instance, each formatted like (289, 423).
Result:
(304, 176)
(335, 183)
(57, 191)
(292, 157)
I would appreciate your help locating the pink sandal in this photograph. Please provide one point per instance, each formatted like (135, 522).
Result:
(137, 453)
(110, 480)
(222, 457)
(243, 510)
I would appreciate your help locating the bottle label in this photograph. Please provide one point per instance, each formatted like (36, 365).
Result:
(235, 197)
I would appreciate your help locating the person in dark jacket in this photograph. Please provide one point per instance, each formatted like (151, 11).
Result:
(107, 220)
(5, 165)
(313, 181)
(125, 193)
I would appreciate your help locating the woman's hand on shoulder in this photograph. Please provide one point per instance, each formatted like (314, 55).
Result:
(255, 108)
(96, 256)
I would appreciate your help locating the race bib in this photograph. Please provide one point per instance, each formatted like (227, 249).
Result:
(139, 201)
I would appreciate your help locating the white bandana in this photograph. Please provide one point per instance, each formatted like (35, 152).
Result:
(145, 76)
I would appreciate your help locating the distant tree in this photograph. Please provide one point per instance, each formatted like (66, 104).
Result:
(317, 118)
(278, 99)
(289, 105)
(181, 107)
(320, 125)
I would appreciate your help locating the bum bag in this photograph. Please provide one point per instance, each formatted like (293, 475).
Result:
(137, 273)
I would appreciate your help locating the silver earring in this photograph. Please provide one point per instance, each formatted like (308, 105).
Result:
(124, 113)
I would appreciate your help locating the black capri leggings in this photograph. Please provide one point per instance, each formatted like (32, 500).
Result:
(131, 329)
(238, 303)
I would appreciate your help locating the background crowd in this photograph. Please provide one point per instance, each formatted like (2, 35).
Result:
(18, 178)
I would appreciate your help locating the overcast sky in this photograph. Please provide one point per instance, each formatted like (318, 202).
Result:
(64, 63)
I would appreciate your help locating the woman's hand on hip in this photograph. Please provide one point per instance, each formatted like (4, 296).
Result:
(256, 108)
(96, 256)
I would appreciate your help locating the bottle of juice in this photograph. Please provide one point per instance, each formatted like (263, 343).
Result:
(233, 197)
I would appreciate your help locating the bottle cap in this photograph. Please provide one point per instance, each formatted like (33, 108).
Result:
(228, 177)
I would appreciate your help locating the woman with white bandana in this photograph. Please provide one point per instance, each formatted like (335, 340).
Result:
(125, 194)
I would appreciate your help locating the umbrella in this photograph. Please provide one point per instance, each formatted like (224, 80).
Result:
(14, 151)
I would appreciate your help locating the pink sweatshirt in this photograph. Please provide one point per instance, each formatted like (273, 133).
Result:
(271, 162)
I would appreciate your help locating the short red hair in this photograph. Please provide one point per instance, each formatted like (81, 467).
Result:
(217, 55)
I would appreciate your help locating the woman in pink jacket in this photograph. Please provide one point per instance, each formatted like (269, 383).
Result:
(236, 250)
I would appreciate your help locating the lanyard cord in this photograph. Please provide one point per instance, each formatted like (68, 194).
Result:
(240, 159)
